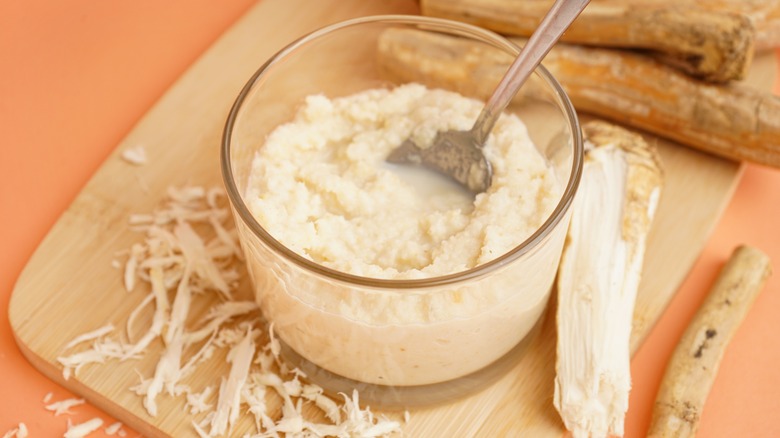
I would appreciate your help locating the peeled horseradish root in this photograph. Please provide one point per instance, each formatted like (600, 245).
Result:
(691, 370)
(599, 276)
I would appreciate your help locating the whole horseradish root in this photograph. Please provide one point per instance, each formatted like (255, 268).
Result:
(599, 276)
(694, 363)
(732, 121)
(715, 44)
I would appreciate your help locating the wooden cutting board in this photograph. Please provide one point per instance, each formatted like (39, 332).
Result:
(69, 286)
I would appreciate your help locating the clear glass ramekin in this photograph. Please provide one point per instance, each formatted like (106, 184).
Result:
(334, 325)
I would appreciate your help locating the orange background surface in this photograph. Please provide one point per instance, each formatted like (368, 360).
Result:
(77, 75)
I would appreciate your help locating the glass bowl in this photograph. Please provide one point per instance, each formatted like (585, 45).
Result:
(335, 325)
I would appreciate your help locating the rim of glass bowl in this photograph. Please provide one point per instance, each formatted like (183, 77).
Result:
(237, 200)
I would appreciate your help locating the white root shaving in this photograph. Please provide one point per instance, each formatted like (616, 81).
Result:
(180, 309)
(218, 316)
(63, 406)
(47, 397)
(226, 238)
(102, 350)
(228, 406)
(197, 402)
(83, 429)
(135, 155)
(113, 429)
(134, 314)
(205, 353)
(166, 374)
(136, 253)
(362, 422)
(189, 254)
(160, 312)
(314, 394)
(73, 363)
(598, 279)
(198, 258)
(19, 431)
(254, 397)
(186, 195)
(108, 328)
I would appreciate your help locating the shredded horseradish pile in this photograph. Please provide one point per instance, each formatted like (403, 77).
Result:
(190, 252)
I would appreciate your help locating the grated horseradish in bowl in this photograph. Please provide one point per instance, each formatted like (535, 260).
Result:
(382, 276)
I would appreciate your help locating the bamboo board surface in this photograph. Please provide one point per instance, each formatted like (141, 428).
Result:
(69, 286)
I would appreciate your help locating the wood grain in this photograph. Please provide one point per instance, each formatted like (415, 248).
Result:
(69, 287)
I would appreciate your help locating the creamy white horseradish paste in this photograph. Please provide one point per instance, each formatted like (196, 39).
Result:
(321, 186)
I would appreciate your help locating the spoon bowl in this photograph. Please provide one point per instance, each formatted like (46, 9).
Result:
(458, 154)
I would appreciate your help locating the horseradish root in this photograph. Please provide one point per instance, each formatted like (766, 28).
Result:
(731, 121)
(708, 43)
(764, 14)
(694, 363)
(599, 276)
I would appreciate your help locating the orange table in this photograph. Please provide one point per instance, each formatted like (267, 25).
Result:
(77, 75)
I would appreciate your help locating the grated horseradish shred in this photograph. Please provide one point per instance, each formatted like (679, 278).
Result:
(115, 429)
(190, 253)
(135, 155)
(108, 328)
(82, 429)
(19, 431)
(63, 406)
(229, 402)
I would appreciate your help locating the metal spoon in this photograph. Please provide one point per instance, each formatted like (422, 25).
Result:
(458, 154)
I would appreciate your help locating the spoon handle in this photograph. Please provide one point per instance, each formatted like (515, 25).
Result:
(557, 20)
